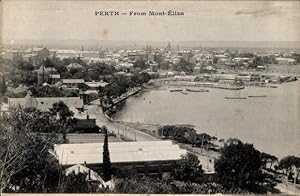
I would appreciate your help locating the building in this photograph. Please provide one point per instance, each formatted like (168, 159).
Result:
(85, 123)
(208, 69)
(90, 54)
(286, 61)
(11, 54)
(149, 157)
(4, 108)
(44, 103)
(47, 74)
(74, 66)
(62, 54)
(36, 55)
(71, 83)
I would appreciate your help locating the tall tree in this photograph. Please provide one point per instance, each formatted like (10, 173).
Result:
(24, 158)
(288, 163)
(106, 159)
(239, 165)
(188, 168)
(3, 86)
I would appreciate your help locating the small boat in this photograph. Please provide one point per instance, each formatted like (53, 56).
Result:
(235, 97)
(257, 96)
(176, 90)
(196, 90)
(184, 93)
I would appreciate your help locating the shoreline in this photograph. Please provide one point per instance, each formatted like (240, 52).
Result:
(166, 87)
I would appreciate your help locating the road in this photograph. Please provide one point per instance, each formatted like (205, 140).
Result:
(115, 127)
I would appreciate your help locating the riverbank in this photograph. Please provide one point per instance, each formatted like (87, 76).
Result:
(152, 129)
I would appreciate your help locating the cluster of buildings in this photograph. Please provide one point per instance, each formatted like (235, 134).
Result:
(163, 58)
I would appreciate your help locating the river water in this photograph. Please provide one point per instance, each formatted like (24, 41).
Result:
(271, 123)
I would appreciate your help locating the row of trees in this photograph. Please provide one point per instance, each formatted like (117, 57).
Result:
(120, 85)
(188, 135)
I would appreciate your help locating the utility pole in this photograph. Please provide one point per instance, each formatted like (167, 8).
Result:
(118, 127)
(43, 71)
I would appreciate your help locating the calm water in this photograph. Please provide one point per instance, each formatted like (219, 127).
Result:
(271, 123)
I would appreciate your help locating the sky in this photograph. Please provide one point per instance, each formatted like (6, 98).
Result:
(202, 21)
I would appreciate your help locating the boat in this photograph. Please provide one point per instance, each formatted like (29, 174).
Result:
(231, 87)
(196, 90)
(257, 96)
(176, 90)
(235, 97)
(184, 93)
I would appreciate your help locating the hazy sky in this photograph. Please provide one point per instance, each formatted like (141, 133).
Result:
(203, 21)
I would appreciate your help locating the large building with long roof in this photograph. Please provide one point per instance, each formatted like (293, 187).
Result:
(150, 157)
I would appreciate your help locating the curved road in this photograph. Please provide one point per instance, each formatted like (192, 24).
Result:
(115, 127)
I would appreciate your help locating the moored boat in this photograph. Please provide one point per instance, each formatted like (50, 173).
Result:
(196, 90)
(176, 90)
(235, 97)
(257, 96)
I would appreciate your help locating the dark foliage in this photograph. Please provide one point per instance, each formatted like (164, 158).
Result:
(106, 167)
(188, 168)
(239, 166)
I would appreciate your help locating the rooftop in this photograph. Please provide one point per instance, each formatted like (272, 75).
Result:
(120, 152)
(45, 103)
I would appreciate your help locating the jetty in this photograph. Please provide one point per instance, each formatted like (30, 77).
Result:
(124, 97)
(235, 97)
(257, 96)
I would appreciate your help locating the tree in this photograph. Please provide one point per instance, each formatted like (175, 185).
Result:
(287, 163)
(268, 159)
(77, 183)
(3, 86)
(46, 91)
(24, 157)
(141, 63)
(188, 168)
(239, 165)
(64, 114)
(106, 159)
(183, 65)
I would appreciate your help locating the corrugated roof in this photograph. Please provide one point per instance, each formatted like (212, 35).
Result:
(72, 81)
(96, 84)
(74, 65)
(120, 152)
(45, 103)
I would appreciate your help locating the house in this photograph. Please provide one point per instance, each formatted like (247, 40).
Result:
(38, 55)
(4, 108)
(47, 74)
(85, 122)
(286, 61)
(54, 78)
(95, 85)
(44, 103)
(147, 157)
(61, 54)
(208, 69)
(11, 54)
(196, 69)
(71, 83)
(74, 66)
